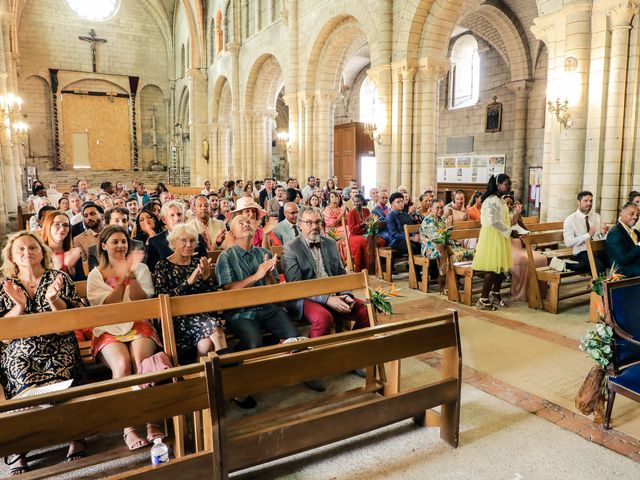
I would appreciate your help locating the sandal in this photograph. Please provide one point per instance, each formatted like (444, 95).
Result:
(496, 299)
(77, 455)
(136, 444)
(18, 469)
(151, 436)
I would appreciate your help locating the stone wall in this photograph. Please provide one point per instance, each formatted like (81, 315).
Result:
(65, 179)
(48, 39)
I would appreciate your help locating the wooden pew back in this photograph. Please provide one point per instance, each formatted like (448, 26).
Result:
(101, 407)
(266, 436)
(465, 224)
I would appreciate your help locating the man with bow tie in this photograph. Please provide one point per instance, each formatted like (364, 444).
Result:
(311, 256)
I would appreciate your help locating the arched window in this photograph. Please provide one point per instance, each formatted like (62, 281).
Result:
(464, 78)
(368, 101)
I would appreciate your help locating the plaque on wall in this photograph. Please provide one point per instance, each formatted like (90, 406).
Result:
(469, 168)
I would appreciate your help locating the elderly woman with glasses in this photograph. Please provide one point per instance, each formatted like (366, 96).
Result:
(31, 285)
(56, 234)
(121, 277)
(182, 273)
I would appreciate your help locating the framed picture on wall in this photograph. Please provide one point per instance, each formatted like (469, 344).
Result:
(494, 116)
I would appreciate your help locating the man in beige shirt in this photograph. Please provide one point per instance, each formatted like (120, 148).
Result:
(92, 218)
(213, 231)
(276, 203)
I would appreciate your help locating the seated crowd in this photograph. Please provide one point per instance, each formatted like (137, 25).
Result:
(132, 243)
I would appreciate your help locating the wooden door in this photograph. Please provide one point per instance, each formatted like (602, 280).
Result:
(345, 159)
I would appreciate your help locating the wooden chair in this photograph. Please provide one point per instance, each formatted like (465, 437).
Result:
(594, 250)
(552, 277)
(621, 314)
(23, 219)
(463, 269)
(256, 439)
(416, 261)
(347, 236)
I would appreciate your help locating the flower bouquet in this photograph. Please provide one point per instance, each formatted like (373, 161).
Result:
(380, 298)
(593, 393)
(444, 234)
(610, 275)
(333, 233)
(372, 223)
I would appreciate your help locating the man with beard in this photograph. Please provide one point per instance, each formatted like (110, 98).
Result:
(92, 219)
(212, 230)
(622, 241)
(582, 225)
(310, 256)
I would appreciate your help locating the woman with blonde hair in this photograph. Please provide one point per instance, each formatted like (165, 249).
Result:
(31, 285)
(121, 277)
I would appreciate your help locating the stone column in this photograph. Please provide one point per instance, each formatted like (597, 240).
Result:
(620, 18)
(309, 160)
(247, 134)
(521, 90)
(293, 158)
(257, 16)
(433, 71)
(236, 151)
(407, 174)
(381, 77)
(199, 166)
(324, 127)
(10, 189)
(214, 154)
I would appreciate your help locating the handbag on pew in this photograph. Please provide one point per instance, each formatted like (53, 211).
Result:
(155, 363)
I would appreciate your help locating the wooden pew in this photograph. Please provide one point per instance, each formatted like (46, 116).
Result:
(466, 224)
(530, 220)
(23, 218)
(594, 249)
(553, 278)
(82, 318)
(214, 254)
(252, 440)
(416, 261)
(102, 408)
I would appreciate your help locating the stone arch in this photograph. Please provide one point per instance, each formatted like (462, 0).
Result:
(264, 83)
(222, 99)
(340, 37)
(195, 57)
(95, 84)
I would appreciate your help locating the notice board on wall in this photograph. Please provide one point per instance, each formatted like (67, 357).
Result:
(469, 168)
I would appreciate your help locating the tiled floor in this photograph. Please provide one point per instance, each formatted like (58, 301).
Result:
(530, 359)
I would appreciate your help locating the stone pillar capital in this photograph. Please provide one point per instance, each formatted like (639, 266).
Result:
(233, 48)
(621, 15)
(290, 99)
(435, 68)
(520, 87)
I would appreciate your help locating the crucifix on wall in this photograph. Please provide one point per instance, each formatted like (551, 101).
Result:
(93, 40)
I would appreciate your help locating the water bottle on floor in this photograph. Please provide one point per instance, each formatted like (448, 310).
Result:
(159, 452)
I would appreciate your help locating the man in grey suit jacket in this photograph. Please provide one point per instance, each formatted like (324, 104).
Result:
(288, 229)
(311, 256)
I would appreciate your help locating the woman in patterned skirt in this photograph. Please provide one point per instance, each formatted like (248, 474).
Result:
(183, 274)
(32, 286)
(121, 277)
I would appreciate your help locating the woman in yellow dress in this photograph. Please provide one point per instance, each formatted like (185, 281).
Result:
(493, 252)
